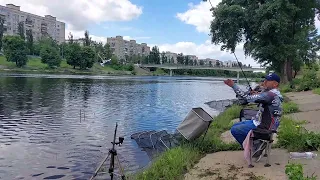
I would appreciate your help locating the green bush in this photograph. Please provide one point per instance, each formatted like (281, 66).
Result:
(129, 67)
(295, 172)
(294, 137)
(309, 80)
(284, 88)
(289, 107)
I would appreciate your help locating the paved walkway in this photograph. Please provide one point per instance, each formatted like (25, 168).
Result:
(231, 164)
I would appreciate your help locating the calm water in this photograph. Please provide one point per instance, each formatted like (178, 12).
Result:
(43, 137)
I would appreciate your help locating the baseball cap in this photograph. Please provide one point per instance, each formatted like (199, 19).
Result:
(273, 77)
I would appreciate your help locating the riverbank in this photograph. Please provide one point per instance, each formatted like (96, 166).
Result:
(35, 66)
(231, 164)
(217, 158)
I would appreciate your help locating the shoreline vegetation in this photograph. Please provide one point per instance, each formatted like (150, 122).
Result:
(35, 66)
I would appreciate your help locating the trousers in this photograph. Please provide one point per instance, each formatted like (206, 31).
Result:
(240, 130)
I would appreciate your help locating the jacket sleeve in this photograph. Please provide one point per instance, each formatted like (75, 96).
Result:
(264, 98)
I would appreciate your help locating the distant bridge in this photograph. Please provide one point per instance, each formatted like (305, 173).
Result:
(171, 67)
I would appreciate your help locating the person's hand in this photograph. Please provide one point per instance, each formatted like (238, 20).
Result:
(229, 82)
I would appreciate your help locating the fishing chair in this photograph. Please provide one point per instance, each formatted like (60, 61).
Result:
(265, 137)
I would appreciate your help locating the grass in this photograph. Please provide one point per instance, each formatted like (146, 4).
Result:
(159, 72)
(294, 137)
(34, 65)
(316, 91)
(295, 172)
(175, 162)
(290, 107)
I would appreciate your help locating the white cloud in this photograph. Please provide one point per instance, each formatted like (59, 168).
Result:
(207, 50)
(78, 14)
(198, 15)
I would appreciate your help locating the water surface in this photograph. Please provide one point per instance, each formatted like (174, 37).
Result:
(44, 136)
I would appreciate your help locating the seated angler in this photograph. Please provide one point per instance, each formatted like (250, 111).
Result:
(270, 107)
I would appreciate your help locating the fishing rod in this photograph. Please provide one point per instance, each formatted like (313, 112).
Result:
(233, 53)
(242, 71)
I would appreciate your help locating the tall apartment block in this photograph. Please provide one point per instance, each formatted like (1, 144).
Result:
(121, 47)
(41, 26)
(172, 55)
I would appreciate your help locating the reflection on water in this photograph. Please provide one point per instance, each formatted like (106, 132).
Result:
(43, 137)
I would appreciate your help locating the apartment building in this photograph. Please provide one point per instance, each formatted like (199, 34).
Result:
(171, 55)
(121, 47)
(40, 26)
(192, 57)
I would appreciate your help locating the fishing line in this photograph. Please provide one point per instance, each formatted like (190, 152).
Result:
(234, 53)
(242, 71)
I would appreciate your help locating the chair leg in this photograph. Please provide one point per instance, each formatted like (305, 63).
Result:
(268, 149)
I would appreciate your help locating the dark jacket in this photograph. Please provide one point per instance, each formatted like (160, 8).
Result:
(270, 107)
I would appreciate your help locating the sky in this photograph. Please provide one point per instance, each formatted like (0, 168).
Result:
(180, 26)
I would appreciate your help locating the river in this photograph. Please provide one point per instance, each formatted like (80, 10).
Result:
(43, 135)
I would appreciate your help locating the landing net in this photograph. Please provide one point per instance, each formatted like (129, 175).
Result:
(195, 124)
(155, 142)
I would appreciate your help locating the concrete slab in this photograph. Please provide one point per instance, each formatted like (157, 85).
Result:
(231, 165)
(312, 118)
(307, 101)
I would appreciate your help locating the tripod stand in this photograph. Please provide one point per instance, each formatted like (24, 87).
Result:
(114, 155)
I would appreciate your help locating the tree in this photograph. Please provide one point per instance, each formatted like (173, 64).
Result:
(272, 31)
(190, 62)
(70, 37)
(50, 55)
(37, 49)
(1, 30)
(201, 62)
(73, 55)
(172, 60)
(195, 63)
(63, 48)
(87, 57)
(114, 60)
(164, 58)
(87, 40)
(210, 63)
(155, 55)
(107, 51)
(180, 58)
(21, 30)
(15, 50)
(218, 64)
(30, 41)
(186, 60)
(145, 60)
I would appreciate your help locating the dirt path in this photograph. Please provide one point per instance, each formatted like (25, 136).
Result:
(231, 164)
